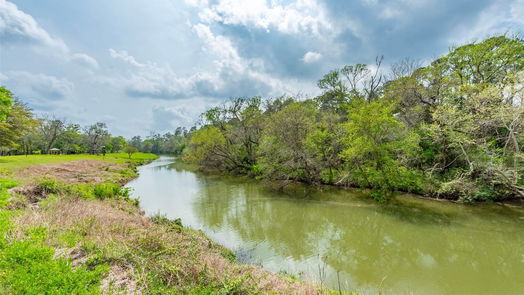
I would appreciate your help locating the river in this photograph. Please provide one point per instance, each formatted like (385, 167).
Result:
(340, 237)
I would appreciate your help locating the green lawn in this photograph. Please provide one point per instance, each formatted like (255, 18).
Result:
(14, 162)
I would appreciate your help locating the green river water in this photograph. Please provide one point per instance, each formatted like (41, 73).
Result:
(336, 236)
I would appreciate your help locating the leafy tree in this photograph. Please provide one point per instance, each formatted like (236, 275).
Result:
(19, 122)
(6, 100)
(207, 146)
(70, 140)
(117, 144)
(379, 148)
(96, 137)
(283, 150)
(240, 123)
(51, 130)
(325, 143)
(130, 150)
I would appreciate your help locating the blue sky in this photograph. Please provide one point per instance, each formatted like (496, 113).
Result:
(143, 66)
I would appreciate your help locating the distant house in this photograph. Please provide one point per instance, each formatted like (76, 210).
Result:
(54, 151)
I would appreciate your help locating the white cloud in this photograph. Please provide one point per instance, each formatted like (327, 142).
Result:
(85, 60)
(168, 118)
(517, 12)
(232, 75)
(38, 89)
(302, 16)
(311, 57)
(18, 27)
(497, 18)
(124, 56)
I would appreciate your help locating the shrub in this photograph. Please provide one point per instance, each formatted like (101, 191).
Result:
(49, 186)
(108, 190)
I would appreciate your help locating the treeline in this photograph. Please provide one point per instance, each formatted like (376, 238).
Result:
(168, 143)
(21, 132)
(452, 129)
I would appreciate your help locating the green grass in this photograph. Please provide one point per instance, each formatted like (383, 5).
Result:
(27, 266)
(15, 162)
(5, 184)
(86, 191)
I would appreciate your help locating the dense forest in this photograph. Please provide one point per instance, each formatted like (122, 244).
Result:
(453, 128)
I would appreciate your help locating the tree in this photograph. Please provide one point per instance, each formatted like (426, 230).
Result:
(379, 148)
(6, 100)
(96, 137)
(350, 82)
(51, 130)
(19, 122)
(283, 149)
(117, 144)
(207, 145)
(70, 140)
(325, 143)
(240, 123)
(130, 150)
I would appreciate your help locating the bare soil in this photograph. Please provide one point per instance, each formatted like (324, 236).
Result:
(87, 171)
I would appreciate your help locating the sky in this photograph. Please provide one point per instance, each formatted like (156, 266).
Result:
(145, 66)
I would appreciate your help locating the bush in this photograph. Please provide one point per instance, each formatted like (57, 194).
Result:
(49, 186)
(108, 190)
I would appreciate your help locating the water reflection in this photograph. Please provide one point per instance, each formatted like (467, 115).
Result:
(405, 246)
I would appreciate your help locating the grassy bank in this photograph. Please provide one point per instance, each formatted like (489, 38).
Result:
(9, 163)
(68, 227)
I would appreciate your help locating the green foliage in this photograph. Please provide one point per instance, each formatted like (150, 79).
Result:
(17, 123)
(108, 190)
(6, 99)
(451, 129)
(207, 145)
(48, 185)
(283, 149)
(130, 150)
(162, 219)
(379, 148)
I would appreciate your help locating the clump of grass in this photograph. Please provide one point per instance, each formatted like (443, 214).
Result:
(48, 185)
(5, 184)
(109, 190)
(27, 265)
(159, 218)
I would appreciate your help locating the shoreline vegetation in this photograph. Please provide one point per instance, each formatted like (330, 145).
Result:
(452, 129)
(69, 227)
